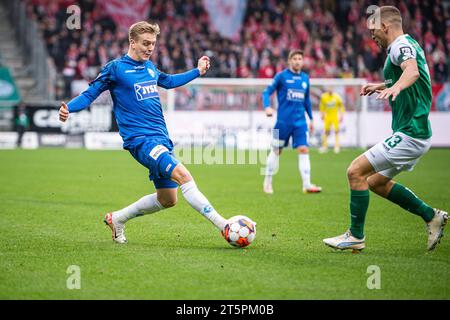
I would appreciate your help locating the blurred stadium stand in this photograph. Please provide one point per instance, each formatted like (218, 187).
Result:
(43, 61)
(333, 35)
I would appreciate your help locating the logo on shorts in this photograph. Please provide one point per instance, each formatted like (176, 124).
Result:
(168, 167)
(157, 151)
(146, 90)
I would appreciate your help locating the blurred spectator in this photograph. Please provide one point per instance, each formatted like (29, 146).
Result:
(441, 71)
(333, 35)
(22, 122)
(266, 70)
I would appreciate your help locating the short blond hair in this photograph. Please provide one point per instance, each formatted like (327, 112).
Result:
(142, 27)
(391, 15)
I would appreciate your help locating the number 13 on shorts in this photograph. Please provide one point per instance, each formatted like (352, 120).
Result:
(392, 141)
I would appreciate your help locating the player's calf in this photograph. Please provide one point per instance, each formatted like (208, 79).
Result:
(167, 202)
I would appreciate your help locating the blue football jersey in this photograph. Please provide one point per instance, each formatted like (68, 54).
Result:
(134, 90)
(293, 97)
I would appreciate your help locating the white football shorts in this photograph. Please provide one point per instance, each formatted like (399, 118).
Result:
(397, 153)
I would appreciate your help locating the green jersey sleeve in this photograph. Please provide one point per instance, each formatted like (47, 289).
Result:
(401, 51)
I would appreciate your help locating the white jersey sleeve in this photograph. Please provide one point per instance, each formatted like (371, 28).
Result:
(401, 51)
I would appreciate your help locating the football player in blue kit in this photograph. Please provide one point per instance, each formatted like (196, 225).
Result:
(133, 82)
(292, 86)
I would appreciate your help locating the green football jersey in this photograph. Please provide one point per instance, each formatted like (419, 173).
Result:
(411, 107)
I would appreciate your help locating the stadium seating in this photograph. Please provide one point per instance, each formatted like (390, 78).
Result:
(333, 35)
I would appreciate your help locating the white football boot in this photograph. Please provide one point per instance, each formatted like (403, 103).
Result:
(346, 241)
(118, 229)
(435, 228)
(312, 189)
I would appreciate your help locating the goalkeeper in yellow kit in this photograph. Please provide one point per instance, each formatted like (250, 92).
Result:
(332, 111)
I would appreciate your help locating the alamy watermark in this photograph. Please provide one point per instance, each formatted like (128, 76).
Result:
(74, 279)
(208, 150)
(374, 280)
(374, 20)
(73, 22)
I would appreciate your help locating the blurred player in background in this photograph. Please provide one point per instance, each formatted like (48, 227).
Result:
(133, 81)
(22, 122)
(292, 86)
(407, 86)
(332, 111)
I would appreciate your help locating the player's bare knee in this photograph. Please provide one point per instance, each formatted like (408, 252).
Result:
(181, 175)
(168, 202)
(354, 173)
(303, 150)
(185, 177)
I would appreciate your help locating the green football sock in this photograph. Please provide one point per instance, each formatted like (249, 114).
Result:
(406, 199)
(359, 202)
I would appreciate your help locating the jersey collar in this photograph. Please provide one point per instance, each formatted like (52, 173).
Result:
(133, 61)
(297, 74)
(400, 37)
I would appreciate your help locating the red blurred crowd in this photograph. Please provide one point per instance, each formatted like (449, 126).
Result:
(333, 35)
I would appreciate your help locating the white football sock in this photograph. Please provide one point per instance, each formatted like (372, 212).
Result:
(145, 205)
(199, 202)
(272, 166)
(304, 165)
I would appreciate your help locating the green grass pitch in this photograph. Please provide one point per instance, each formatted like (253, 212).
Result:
(52, 202)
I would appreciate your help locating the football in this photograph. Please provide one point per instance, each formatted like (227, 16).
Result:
(240, 231)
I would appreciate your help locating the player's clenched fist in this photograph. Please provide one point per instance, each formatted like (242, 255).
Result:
(203, 65)
(269, 111)
(63, 112)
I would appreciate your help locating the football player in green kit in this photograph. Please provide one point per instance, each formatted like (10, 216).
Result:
(407, 86)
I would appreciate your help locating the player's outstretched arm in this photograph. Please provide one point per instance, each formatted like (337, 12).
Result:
(409, 76)
(170, 81)
(63, 112)
(203, 65)
(81, 102)
(371, 88)
(96, 87)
